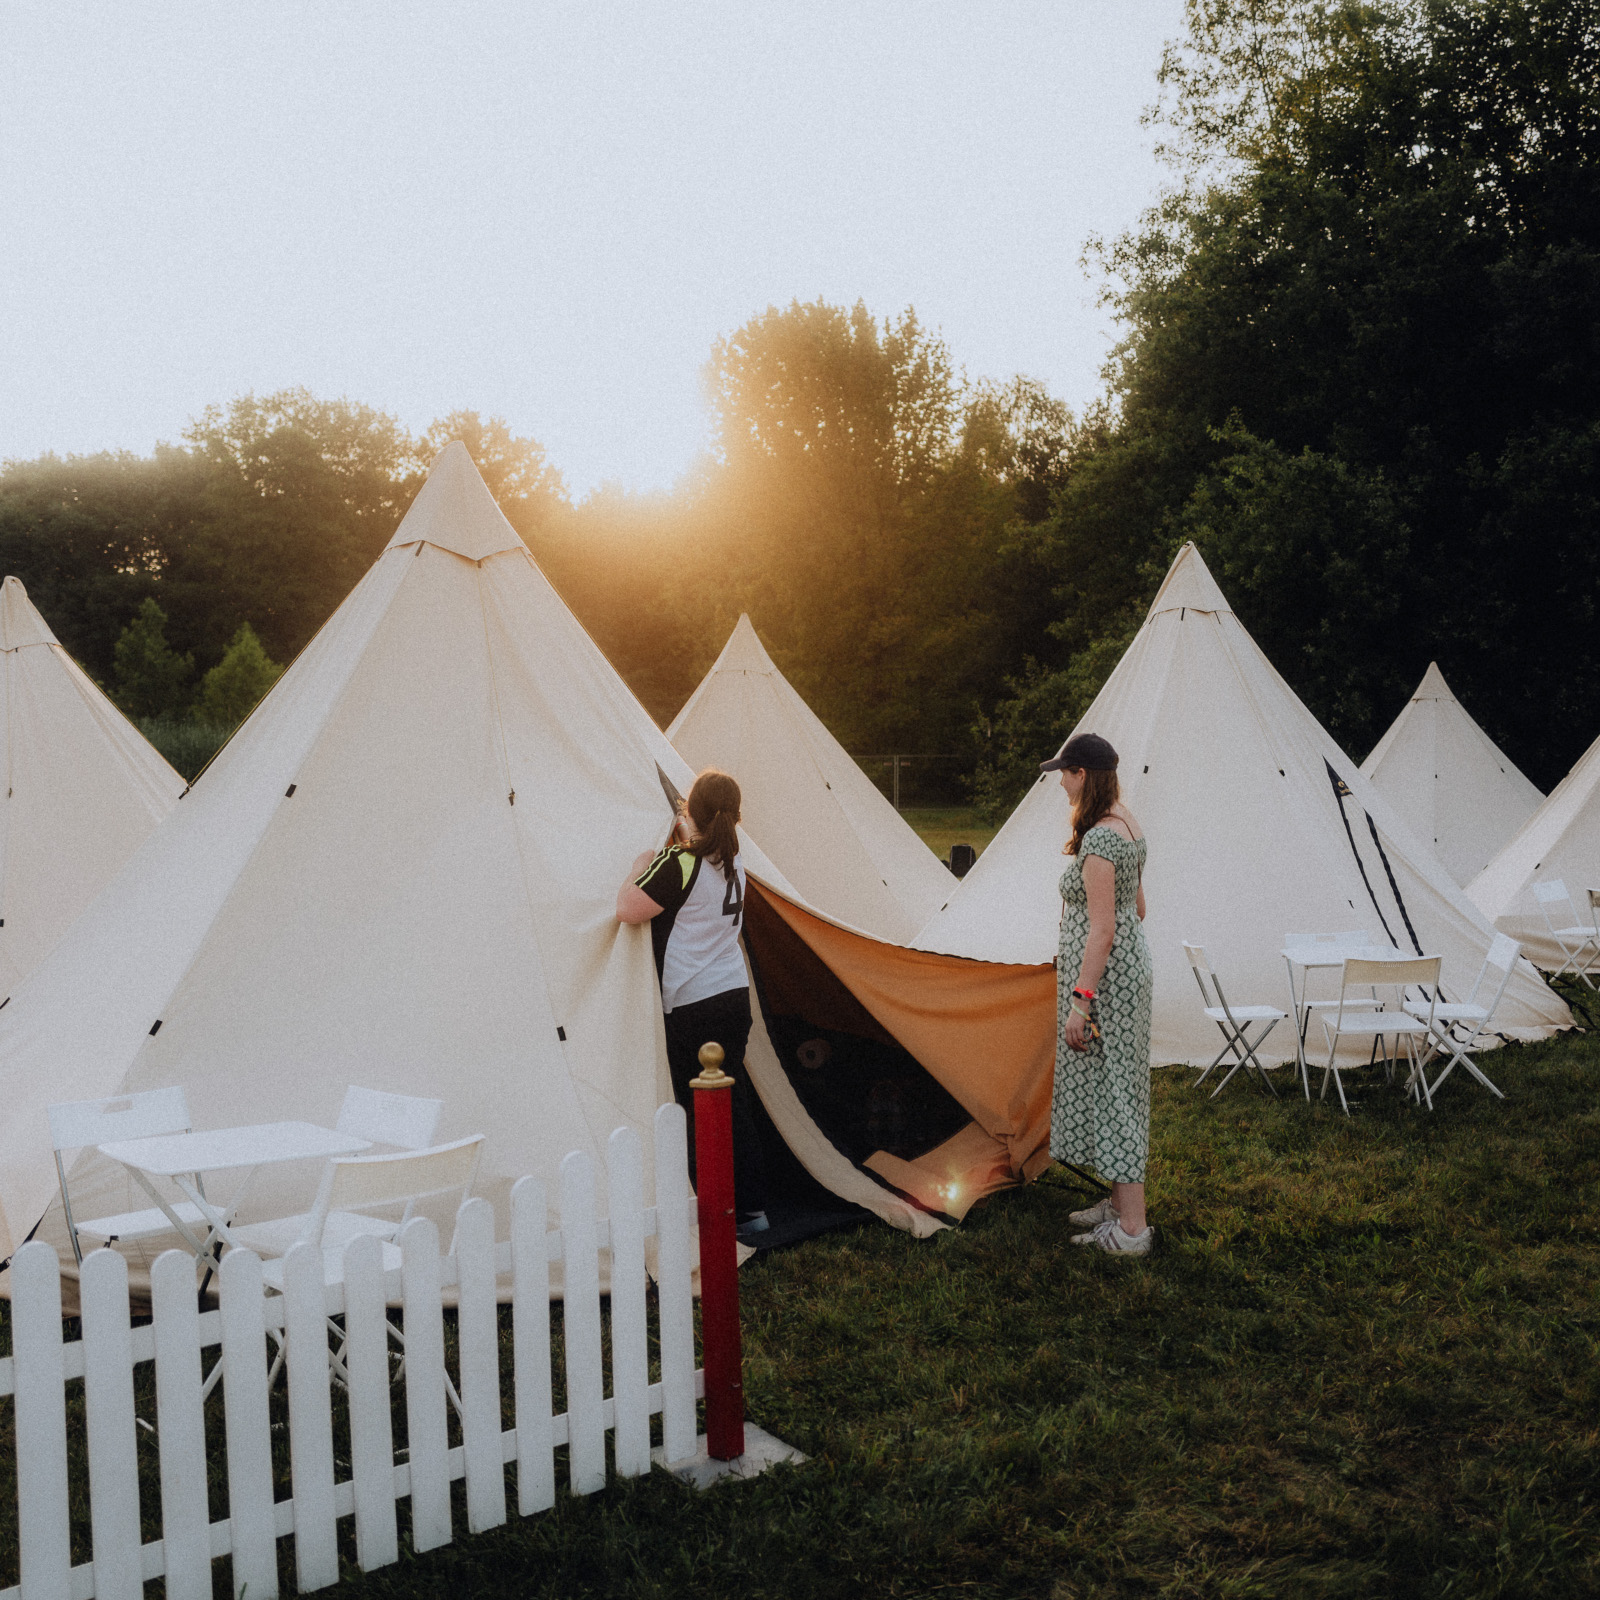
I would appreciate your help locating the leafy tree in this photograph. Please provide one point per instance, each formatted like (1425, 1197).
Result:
(150, 674)
(230, 691)
(1360, 338)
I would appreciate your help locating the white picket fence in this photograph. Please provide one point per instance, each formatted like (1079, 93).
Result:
(244, 1327)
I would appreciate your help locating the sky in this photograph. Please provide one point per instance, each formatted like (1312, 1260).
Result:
(543, 212)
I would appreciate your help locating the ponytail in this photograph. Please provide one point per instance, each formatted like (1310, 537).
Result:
(714, 810)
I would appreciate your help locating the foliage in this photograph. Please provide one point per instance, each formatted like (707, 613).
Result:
(185, 745)
(230, 691)
(150, 674)
(1362, 1362)
(1352, 370)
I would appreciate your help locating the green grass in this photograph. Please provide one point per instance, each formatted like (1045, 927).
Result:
(1363, 1361)
(939, 827)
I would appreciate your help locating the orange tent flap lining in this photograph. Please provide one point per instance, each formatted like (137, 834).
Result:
(986, 1031)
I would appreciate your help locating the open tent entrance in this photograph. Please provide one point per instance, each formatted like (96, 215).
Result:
(889, 1077)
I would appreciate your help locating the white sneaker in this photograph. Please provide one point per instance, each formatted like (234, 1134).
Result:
(1110, 1238)
(1101, 1211)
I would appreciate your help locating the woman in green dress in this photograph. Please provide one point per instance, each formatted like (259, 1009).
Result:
(1100, 1116)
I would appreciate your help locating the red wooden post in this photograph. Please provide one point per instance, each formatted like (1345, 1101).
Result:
(719, 1263)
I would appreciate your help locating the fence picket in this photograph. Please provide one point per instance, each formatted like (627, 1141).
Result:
(180, 1427)
(108, 1419)
(586, 1446)
(425, 1418)
(366, 1324)
(674, 1290)
(630, 1353)
(479, 1344)
(44, 1536)
(316, 1549)
(248, 1419)
(530, 1345)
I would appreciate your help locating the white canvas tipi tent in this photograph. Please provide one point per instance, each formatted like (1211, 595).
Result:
(1560, 840)
(1449, 780)
(401, 872)
(817, 814)
(83, 788)
(1259, 826)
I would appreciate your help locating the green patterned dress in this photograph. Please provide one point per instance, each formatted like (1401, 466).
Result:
(1100, 1116)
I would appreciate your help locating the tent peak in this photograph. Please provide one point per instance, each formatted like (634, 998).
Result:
(455, 511)
(1188, 585)
(1433, 686)
(744, 651)
(20, 622)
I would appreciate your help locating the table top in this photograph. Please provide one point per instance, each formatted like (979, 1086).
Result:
(1302, 955)
(169, 1155)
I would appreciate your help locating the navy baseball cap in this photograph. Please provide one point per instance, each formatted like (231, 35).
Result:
(1086, 750)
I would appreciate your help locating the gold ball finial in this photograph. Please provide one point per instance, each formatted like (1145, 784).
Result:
(711, 1076)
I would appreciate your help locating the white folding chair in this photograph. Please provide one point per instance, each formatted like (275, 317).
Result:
(405, 1121)
(1366, 1017)
(1580, 945)
(400, 1120)
(366, 1181)
(78, 1123)
(388, 1180)
(1233, 1022)
(1470, 1017)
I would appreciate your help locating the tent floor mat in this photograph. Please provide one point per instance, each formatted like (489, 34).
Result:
(794, 1224)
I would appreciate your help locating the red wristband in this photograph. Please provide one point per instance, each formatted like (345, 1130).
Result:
(1084, 994)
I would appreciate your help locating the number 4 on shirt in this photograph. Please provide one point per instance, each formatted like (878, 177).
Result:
(732, 900)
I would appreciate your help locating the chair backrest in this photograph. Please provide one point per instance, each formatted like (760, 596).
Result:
(1553, 892)
(404, 1120)
(1200, 966)
(1503, 952)
(352, 1182)
(1502, 958)
(74, 1123)
(1424, 970)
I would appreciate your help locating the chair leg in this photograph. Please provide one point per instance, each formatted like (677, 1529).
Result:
(1251, 1046)
(1463, 1059)
(1423, 1092)
(1214, 1060)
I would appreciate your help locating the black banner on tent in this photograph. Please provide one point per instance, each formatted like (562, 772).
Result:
(1341, 792)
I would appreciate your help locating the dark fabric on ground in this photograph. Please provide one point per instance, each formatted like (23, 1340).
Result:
(791, 1224)
(723, 1019)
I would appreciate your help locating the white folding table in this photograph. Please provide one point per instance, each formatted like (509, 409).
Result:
(183, 1159)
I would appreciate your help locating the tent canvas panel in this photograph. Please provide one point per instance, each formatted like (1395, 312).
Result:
(833, 833)
(1560, 840)
(83, 788)
(1444, 776)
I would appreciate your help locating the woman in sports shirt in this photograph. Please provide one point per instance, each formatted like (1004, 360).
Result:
(692, 895)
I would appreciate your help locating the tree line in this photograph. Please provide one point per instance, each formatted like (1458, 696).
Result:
(1360, 333)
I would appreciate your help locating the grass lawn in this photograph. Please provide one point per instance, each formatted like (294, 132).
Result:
(1363, 1361)
(939, 827)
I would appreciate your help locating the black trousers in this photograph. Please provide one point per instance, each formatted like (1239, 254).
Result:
(725, 1020)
